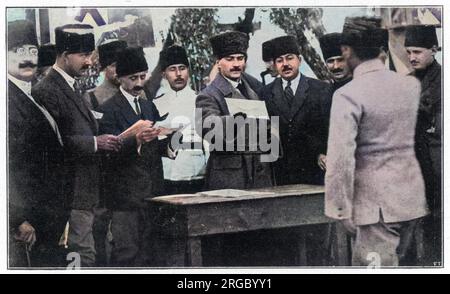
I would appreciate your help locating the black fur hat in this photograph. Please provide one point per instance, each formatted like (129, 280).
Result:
(423, 36)
(46, 55)
(107, 53)
(267, 51)
(330, 45)
(130, 60)
(74, 38)
(358, 25)
(229, 43)
(284, 45)
(21, 32)
(173, 55)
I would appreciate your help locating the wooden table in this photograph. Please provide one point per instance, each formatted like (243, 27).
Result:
(185, 219)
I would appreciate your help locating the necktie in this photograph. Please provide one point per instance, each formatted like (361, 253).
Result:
(137, 106)
(241, 88)
(288, 93)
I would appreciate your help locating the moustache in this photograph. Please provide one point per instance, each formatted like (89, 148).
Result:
(138, 88)
(237, 69)
(179, 80)
(286, 68)
(27, 64)
(336, 71)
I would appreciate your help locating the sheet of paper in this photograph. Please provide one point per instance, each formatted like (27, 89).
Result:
(232, 193)
(253, 108)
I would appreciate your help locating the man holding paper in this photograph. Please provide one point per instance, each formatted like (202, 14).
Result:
(186, 173)
(79, 132)
(231, 168)
(134, 173)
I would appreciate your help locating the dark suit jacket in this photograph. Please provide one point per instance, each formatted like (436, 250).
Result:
(78, 128)
(428, 133)
(238, 170)
(35, 168)
(130, 177)
(303, 129)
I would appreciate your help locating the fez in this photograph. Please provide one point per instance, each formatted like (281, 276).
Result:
(130, 60)
(267, 51)
(107, 53)
(421, 36)
(46, 55)
(173, 55)
(21, 32)
(229, 43)
(330, 45)
(74, 38)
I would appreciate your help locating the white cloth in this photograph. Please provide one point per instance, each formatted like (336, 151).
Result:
(26, 88)
(190, 164)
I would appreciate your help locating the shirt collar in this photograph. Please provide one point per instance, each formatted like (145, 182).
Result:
(22, 85)
(294, 82)
(70, 80)
(127, 95)
(233, 83)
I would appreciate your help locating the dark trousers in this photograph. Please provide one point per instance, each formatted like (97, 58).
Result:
(130, 233)
(183, 187)
(102, 220)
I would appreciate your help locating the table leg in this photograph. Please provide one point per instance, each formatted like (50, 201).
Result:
(194, 252)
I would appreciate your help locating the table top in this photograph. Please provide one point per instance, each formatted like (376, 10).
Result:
(227, 195)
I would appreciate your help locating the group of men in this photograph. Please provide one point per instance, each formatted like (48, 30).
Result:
(78, 179)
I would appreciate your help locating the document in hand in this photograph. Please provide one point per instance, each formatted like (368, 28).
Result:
(134, 129)
(252, 108)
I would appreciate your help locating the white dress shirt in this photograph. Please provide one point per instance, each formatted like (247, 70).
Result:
(294, 83)
(130, 98)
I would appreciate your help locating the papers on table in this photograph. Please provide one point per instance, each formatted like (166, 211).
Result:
(252, 108)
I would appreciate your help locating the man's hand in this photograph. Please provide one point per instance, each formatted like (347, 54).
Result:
(322, 161)
(26, 233)
(109, 143)
(165, 131)
(349, 226)
(146, 135)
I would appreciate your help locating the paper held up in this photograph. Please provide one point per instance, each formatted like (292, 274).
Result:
(252, 108)
(135, 128)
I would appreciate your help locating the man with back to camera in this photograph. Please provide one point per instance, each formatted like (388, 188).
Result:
(373, 184)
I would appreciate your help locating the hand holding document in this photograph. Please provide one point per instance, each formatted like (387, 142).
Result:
(252, 108)
(135, 129)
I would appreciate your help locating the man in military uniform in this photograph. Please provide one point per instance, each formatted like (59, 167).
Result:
(422, 45)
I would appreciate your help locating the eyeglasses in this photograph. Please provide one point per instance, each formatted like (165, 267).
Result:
(30, 50)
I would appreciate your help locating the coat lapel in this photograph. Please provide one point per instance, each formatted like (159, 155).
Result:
(125, 109)
(300, 96)
(278, 99)
(78, 101)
